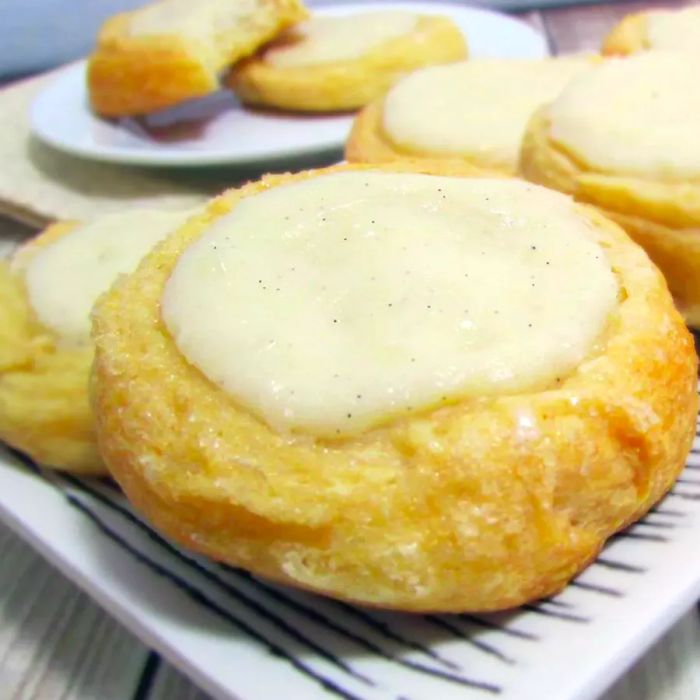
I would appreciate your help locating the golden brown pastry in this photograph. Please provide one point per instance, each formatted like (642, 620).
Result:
(469, 116)
(637, 159)
(46, 292)
(410, 391)
(655, 29)
(174, 50)
(336, 63)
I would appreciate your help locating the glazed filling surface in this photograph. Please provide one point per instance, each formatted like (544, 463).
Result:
(65, 278)
(332, 304)
(475, 107)
(328, 39)
(195, 18)
(675, 30)
(635, 116)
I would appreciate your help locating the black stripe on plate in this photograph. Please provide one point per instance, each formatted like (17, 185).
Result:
(23, 459)
(367, 644)
(239, 595)
(460, 634)
(384, 629)
(619, 566)
(684, 495)
(657, 524)
(201, 599)
(662, 510)
(635, 535)
(685, 480)
(264, 612)
(286, 599)
(595, 588)
(505, 629)
(556, 603)
(566, 617)
(109, 484)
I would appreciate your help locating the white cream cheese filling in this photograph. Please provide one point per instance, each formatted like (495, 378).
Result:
(332, 304)
(634, 116)
(329, 39)
(474, 108)
(65, 277)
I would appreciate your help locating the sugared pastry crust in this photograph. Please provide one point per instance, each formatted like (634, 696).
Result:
(638, 159)
(471, 114)
(676, 30)
(174, 50)
(291, 418)
(46, 294)
(344, 62)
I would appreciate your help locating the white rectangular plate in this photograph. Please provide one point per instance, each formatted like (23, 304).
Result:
(239, 637)
(217, 129)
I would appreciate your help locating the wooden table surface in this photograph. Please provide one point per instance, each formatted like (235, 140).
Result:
(56, 643)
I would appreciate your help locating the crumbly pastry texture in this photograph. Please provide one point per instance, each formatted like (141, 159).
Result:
(133, 73)
(44, 404)
(348, 84)
(479, 505)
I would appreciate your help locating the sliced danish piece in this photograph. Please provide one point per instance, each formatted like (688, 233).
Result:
(175, 50)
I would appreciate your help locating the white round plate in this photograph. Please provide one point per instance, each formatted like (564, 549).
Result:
(218, 130)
